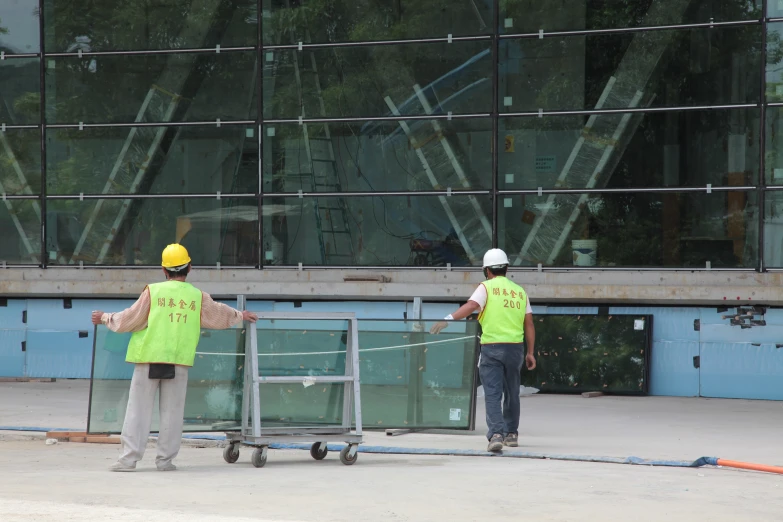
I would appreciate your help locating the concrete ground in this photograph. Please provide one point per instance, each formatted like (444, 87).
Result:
(69, 482)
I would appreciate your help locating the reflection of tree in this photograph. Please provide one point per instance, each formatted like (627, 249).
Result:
(588, 353)
(367, 20)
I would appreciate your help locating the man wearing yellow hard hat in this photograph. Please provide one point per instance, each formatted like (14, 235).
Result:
(166, 322)
(506, 319)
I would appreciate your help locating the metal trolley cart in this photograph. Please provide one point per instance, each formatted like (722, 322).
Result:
(253, 433)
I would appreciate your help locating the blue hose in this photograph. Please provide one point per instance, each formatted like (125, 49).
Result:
(635, 461)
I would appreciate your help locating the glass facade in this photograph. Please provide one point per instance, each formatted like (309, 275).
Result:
(270, 133)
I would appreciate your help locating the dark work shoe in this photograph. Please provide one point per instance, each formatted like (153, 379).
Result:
(495, 443)
(511, 440)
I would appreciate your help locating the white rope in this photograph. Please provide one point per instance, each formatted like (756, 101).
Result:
(383, 348)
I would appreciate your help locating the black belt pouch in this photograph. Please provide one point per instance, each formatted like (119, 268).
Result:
(162, 371)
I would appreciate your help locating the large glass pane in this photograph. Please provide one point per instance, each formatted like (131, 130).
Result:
(409, 377)
(20, 221)
(632, 230)
(774, 76)
(106, 25)
(378, 156)
(151, 88)
(616, 71)
(583, 353)
(378, 80)
(658, 149)
(377, 230)
(774, 146)
(214, 383)
(19, 29)
(152, 160)
(20, 99)
(773, 229)
(367, 20)
(526, 16)
(20, 161)
(135, 231)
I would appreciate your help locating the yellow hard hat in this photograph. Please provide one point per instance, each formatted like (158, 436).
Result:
(174, 256)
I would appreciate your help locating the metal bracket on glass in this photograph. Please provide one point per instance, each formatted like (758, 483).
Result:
(300, 46)
(540, 191)
(2, 126)
(712, 21)
(218, 195)
(81, 125)
(79, 53)
(300, 120)
(217, 49)
(540, 34)
(448, 191)
(217, 122)
(81, 265)
(300, 193)
(540, 267)
(709, 188)
(81, 196)
(540, 113)
(448, 267)
(3, 196)
(300, 266)
(2, 55)
(708, 265)
(217, 265)
(450, 38)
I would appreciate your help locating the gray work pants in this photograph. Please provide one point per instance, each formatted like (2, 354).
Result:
(138, 416)
(499, 370)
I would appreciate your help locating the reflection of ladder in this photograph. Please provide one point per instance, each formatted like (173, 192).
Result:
(132, 163)
(34, 253)
(444, 170)
(334, 232)
(597, 151)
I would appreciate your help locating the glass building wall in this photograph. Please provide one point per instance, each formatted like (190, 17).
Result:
(269, 133)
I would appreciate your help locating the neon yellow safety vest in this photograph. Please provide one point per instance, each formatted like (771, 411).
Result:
(503, 317)
(173, 327)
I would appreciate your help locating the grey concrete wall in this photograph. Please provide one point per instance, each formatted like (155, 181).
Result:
(680, 288)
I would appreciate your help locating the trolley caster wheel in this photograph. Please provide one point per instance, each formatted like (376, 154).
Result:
(318, 455)
(231, 453)
(258, 458)
(345, 458)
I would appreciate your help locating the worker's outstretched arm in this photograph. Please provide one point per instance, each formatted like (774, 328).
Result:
(133, 319)
(217, 316)
(530, 339)
(462, 312)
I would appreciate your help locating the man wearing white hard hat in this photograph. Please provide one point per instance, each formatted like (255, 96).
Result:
(506, 320)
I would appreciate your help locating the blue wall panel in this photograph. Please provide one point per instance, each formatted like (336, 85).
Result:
(11, 314)
(59, 354)
(12, 358)
(50, 314)
(671, 369)
(741, 371)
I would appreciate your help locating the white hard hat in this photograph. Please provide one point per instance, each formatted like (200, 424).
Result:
(495, 257)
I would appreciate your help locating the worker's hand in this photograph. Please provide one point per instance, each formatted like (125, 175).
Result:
(437, 327)
(96, 317)
(249, 316)
(530, 361)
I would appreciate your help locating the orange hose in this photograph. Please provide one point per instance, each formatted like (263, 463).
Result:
(750, 466)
